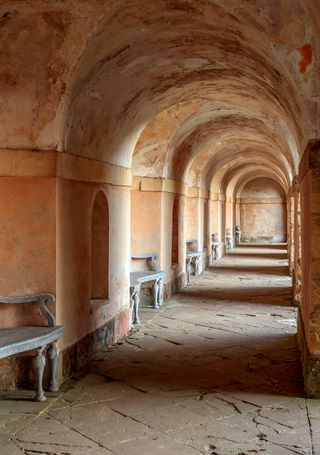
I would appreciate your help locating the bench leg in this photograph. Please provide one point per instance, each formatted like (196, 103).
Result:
(188, 270)
(53, 361)
(156, 294)
(160, 293)
(40, 363)
(136, 298)
(131, 309)
(197, 267)
(194, 263)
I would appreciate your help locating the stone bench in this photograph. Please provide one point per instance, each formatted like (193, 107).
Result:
(144, 276)
(192, 258)
(21, 339)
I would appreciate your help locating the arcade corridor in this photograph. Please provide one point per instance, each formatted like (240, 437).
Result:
(144, 144)
(216, 371)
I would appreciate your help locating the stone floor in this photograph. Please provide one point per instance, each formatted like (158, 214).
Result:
(216, 371)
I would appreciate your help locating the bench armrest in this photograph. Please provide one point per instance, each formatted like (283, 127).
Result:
(43, 299)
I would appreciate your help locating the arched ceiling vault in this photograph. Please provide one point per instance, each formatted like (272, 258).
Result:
(247, 178)
(165, 82)
(243, 154)
(207, 169)
(174, 138)
(234, 182)
(152, 56)
(230, 135)
(221, 176)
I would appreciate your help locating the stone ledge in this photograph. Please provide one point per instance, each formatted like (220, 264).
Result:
(310, 364)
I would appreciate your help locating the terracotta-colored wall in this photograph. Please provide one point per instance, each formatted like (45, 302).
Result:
(171, 270)
(192, 227)
(229, 215)
(27, 243)
(151, 230)
(263, 214)
(306, 259)
(175, 232)
(145, 222)
(74, 308)
(215, 217)
(100, 248)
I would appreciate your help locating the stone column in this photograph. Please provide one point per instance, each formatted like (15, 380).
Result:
(290, 232)
(222, 209)
(210, 230)
(288, 229)
(296, 278)
(309, 311)
(230, 224)
(182, 235)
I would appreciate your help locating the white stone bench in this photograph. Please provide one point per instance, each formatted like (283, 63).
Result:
(21, 339)
(192, 258)
(144, 276)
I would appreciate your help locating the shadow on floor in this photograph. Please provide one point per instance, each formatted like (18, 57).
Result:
(273, 246)
(238, 269)
(262, 295)
(275, 256)
(267, 365)
(208, 340)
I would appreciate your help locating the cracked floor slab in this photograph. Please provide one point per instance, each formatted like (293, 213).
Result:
(215, 371)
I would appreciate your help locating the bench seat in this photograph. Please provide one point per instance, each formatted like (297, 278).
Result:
(21, 339)
(145, 276)
(43, 339)
(193, 254)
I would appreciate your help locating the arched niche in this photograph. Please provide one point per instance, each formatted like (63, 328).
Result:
(100, 248)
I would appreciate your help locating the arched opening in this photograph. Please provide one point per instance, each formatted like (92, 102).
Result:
(175, 232)
(100, 248)
(263, 212)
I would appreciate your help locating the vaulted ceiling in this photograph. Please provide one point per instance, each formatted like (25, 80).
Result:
(202, 91)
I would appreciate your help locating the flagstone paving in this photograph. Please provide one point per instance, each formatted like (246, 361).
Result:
(216, 371)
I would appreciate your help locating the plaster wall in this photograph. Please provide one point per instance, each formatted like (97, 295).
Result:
(192, 218)
(145, 224)
(151, 231)
(229, 214)
(214, 217)
(263, 213)
(171, 270)
(306, 243)
(27, 244)
(75, 309)
(309, 321)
